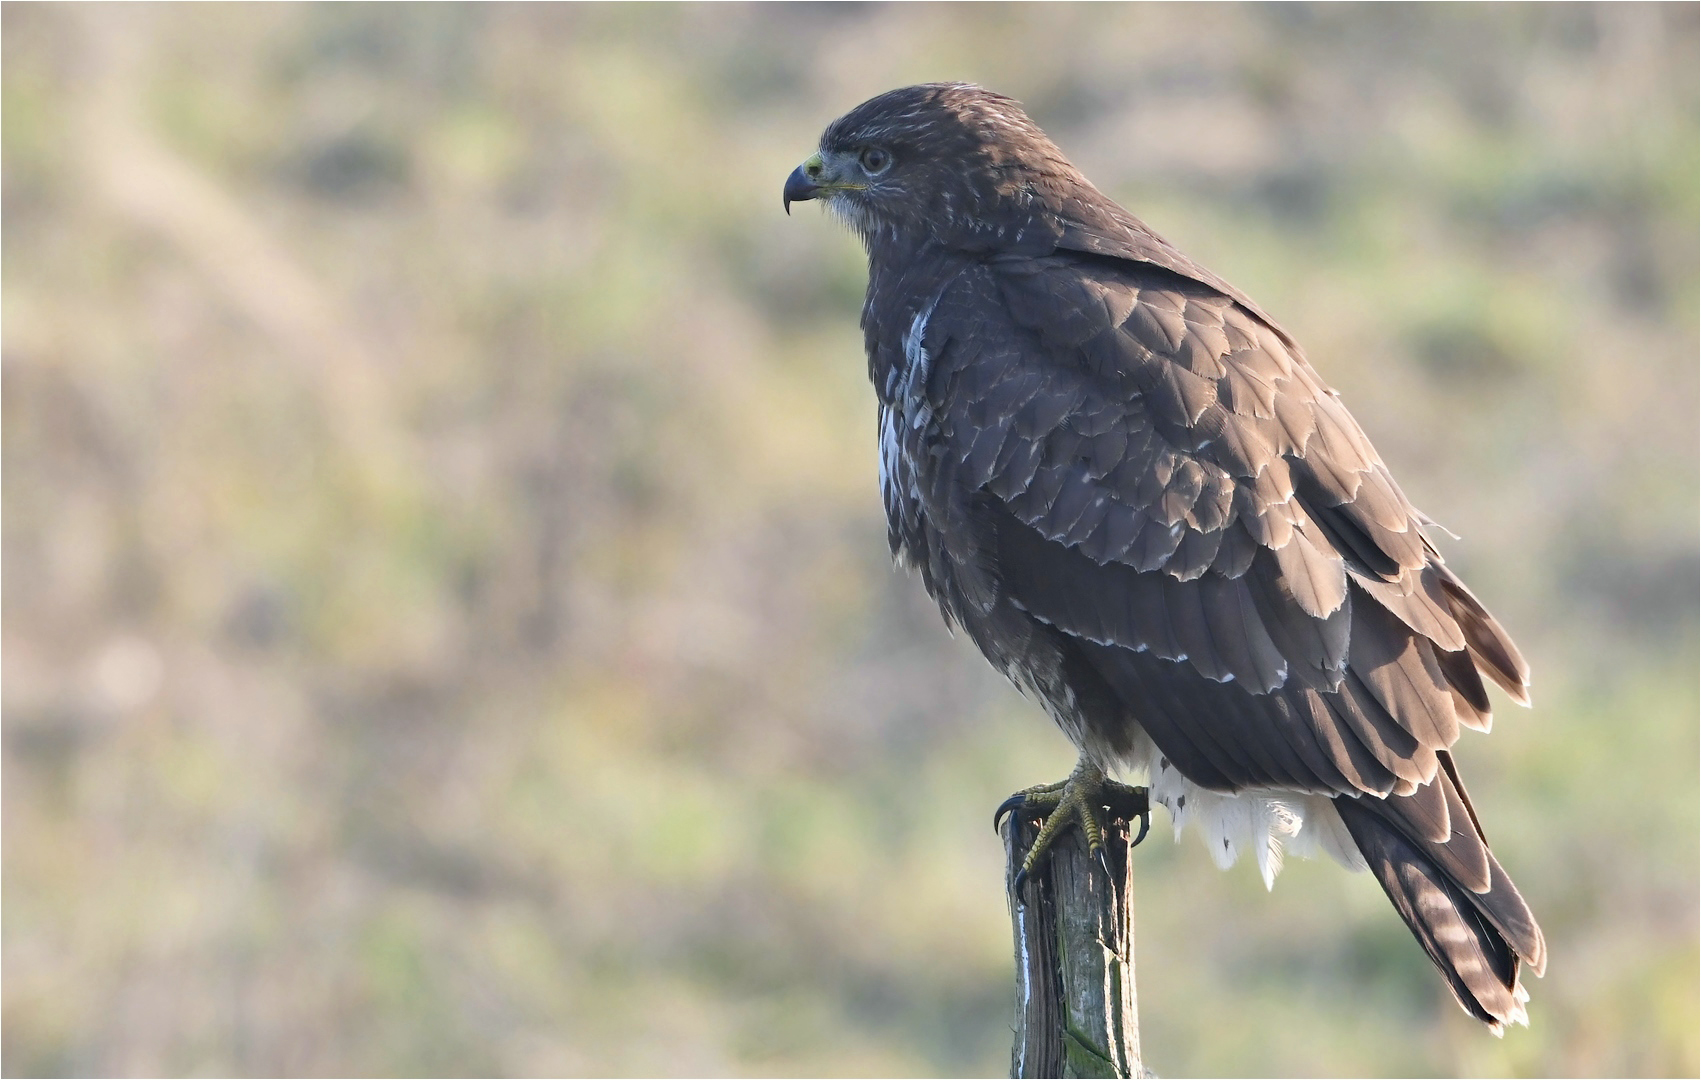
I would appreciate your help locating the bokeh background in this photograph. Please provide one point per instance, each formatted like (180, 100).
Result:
(447, 621)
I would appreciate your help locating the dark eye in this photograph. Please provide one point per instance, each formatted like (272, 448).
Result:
(875, 160)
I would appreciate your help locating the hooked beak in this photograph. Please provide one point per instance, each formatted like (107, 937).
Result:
(801, 185)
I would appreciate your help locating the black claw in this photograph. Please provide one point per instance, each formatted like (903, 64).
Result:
(1104, 861)
(1145, 826)
(1010, 805)
(1021, 880)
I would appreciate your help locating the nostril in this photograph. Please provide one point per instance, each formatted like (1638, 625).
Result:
(813, 170)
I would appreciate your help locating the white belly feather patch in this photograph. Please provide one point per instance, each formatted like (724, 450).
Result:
(1261, 823)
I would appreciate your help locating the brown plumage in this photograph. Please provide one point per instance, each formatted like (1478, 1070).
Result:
(1124, 481)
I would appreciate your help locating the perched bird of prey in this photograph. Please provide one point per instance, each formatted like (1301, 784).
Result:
(1123, 480)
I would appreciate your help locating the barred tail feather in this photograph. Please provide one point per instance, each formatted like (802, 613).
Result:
(1476, 939)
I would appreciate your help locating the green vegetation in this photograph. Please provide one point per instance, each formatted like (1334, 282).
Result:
(447, 623)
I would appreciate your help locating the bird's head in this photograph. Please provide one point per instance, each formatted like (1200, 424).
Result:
(949, 163)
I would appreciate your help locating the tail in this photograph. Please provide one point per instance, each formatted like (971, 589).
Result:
(1429, 852)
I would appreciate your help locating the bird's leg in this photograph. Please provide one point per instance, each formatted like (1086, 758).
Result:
(1087, 797)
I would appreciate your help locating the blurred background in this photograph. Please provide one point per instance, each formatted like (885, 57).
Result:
(448, 627)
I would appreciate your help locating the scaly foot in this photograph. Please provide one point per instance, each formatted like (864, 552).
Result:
(1088, 797)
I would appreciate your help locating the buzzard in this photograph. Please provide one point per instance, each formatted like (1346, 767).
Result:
(1123, 480)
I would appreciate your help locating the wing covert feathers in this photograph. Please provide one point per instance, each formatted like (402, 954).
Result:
(1194, 489)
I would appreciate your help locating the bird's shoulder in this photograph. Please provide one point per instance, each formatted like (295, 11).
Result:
(1091, 224)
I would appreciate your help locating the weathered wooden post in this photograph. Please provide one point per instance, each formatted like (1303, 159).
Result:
(1074, 935)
